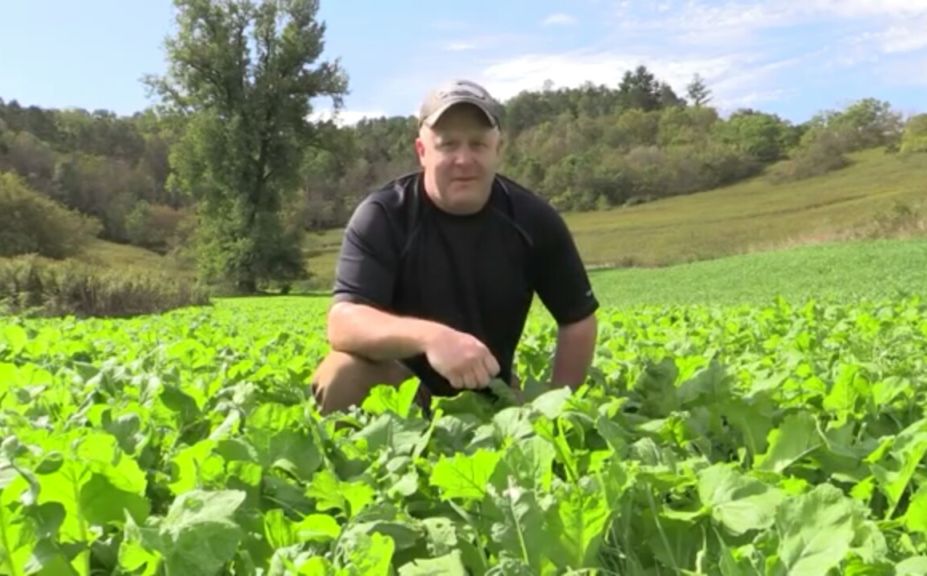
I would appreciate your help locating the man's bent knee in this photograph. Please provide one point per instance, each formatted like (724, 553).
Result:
(344, 380)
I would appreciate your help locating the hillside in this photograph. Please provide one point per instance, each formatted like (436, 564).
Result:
(879, 194)
(755, 215)
(758, 215)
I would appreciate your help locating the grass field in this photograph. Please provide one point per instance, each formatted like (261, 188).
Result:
(843, 272)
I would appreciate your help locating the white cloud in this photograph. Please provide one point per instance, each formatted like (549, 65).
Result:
(751, 99)
(739, 22)
(867, 8)
(345, 117)
(904, 37)
(459, 46)
(730, 77)
(559, 19)
(839, 34)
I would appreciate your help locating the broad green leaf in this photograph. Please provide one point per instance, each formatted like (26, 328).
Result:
(450, 564)
(281, 439)
(331, 493)
(551, 403)
(848, 388)
(616, 436)
(753, 418)
(894, 472)
(656, 387)
(9, 378)
(200, 533)
(511, 425)
(358, 495)
(709, 384)
(530, 461)
(102, 503)
(736, 561)
(464, 476)
(17, 537)
(578, 522)
(441, 534)
(505, 394)
(180, 402)
(552, 431)
(189, 463)
(915, 518)
(389, 431)
(49, 559)
(403, 530)
(521, 533)
(317, 527)
(815, 531)
(16, 338)
(915, 566)
(736, 501)
(794, 439)
(101, 452)
(372, 556)
(64, 487)
(278, 529)
(141, 547)
(316, 566)
(387, 398)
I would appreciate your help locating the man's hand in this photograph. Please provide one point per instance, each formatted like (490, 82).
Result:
(461, 358)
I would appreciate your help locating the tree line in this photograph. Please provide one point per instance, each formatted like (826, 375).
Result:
(227, 169)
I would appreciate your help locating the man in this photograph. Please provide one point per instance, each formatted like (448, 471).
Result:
(438, 269)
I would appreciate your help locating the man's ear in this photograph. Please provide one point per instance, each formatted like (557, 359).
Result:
(420, 150)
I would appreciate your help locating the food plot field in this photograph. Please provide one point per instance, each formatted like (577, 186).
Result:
(770, 440)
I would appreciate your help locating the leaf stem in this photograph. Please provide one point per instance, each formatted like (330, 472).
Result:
(656, 519)
(8, 550)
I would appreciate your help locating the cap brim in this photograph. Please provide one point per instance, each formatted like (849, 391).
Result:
(432, 118)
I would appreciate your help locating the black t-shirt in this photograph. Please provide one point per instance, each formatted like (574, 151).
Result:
(475, 273)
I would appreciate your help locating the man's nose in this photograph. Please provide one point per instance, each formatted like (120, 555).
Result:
(464, 155)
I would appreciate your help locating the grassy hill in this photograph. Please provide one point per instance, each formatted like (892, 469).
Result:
(878, 195)
(868, 198)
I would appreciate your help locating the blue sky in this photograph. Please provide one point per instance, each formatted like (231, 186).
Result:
(790, 57)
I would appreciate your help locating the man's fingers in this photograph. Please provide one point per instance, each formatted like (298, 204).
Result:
(490, 365)
(482, 376)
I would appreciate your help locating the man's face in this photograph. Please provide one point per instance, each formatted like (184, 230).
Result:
(459, 156)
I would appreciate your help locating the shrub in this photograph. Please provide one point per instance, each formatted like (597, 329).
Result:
(915, 135)
(821, 152)
(33, 224)
(157, 227)
(32, 285)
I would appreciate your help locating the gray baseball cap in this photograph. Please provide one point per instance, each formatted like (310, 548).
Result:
(440, 99)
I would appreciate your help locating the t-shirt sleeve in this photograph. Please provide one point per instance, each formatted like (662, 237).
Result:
(561, 281)
(366, 268)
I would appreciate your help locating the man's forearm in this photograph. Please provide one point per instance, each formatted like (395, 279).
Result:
(575, 350)
(375, 334)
